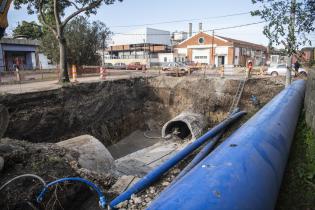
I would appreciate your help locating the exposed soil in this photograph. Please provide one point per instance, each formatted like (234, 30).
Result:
(109, 111)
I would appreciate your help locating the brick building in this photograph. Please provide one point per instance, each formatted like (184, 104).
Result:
(217, 50)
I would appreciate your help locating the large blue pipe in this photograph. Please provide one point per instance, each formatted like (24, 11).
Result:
(244, 172)
(156, 173)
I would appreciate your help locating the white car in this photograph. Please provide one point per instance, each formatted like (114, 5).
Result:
(281, 69)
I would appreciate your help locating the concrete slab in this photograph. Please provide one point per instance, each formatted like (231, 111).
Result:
(143, 161)
(93, 154)
(134, 142)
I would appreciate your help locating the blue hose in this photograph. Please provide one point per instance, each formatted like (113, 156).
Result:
(156, 173)
(102, 200)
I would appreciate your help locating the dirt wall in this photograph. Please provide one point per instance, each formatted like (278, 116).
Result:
(112, 110)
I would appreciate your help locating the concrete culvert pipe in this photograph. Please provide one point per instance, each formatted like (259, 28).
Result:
(93, 155)
(4, 120)
(184, 125)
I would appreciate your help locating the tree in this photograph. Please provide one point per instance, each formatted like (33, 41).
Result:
(84, 40)
(58, 10)
(29, 29)
(289, 21)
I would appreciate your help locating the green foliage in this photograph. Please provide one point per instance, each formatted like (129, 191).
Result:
(281, 28)
(84, 39)
(52, 14)
(298, 187)
(29, 29)
(49, 45)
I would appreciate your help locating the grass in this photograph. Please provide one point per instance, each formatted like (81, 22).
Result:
(298, 186)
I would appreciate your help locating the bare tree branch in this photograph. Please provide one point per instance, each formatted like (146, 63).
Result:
(57, 18)
(44, 21)
(76, 6)
(83, 9)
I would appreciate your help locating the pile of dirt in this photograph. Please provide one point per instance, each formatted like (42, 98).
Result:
(49, 162)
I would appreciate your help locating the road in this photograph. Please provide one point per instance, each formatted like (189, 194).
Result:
(35, 86)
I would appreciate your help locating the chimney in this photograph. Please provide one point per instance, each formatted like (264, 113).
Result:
(200, 27)
(190, 30)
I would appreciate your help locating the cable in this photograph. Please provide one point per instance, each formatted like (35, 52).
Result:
(102, 200)
(23, 176)
(215, 29)
(181, 20)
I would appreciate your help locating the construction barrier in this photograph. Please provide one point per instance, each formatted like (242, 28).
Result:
(74, 73)
(102, 73)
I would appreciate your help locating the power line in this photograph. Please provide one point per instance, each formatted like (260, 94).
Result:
(178, 21)
(215, 29)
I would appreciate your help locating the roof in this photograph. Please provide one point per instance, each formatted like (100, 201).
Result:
(13, 41)
(227, 40)
(241, 42)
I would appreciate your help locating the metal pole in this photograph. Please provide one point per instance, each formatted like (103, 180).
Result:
(212, 48)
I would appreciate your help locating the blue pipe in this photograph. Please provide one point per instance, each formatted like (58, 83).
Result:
(160, 170)
(202, 154)
(246, 170)
(102, 200)
(199, 157)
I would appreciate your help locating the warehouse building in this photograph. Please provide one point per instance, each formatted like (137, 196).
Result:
(206, 49)
(23, 52)
(142, 45)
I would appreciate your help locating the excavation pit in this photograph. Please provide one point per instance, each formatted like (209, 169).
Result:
(126, 116)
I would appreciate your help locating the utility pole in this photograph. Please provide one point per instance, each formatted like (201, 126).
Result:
(212, 48)
(291, 41)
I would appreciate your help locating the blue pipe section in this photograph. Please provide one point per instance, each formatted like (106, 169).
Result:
(156, 173)
(203, 153)
(102, 200)
(245, 172)
(199, 157)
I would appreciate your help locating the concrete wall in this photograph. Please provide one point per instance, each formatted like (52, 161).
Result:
(310, 100)
(143, 35)
(44, 62)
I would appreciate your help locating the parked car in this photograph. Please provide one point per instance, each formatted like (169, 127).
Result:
(173, 66)
(136, 66)
(120, 66)
(108, 66)
(281, 69)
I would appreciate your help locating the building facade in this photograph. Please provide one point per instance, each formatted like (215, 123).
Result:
(142, 45)
(23, 52)
(206, 49)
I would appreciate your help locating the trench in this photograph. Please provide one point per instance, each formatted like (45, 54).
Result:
(128, 115)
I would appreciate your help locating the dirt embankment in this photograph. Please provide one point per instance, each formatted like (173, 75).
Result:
(108, 111)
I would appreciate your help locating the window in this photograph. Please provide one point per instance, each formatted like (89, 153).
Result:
(201, 40)
(201, 57)
(165, 59)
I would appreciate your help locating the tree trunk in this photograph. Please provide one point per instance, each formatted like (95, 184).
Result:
(63, 76)
(291, 43)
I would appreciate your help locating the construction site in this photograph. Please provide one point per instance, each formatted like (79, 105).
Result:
(114, 133)
(174, 105)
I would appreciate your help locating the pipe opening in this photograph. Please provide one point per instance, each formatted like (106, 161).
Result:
(178, 128)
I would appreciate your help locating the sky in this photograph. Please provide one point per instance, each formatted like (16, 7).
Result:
(135, 12)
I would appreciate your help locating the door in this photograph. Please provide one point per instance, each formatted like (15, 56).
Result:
(201, 56)
(221, 60)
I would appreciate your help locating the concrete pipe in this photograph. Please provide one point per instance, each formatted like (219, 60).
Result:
(184, 125)
(4, 120)
(93, 155)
